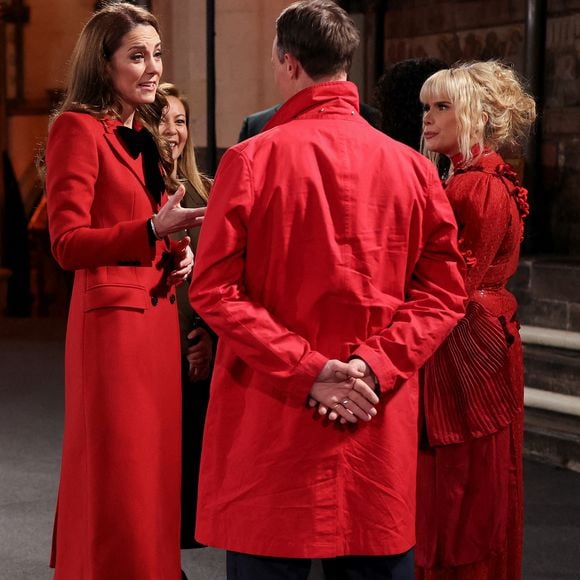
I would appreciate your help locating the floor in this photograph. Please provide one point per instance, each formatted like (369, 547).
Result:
(31, 410)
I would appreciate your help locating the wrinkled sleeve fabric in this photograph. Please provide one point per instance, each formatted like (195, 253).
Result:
(72, 162)
(481, 205)
(435, 299)
(219, 295)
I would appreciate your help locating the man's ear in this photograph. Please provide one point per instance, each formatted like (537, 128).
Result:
(293, 66)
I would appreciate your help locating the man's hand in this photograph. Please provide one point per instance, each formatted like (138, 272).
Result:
(340, 387)
(335, 371)
(354, 368)
(351, 400)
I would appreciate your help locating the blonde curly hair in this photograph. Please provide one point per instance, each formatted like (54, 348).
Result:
(491, 106)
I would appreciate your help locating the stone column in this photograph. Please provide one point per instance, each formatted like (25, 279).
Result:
(244, 33)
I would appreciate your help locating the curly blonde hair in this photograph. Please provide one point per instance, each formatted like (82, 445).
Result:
(491, 106)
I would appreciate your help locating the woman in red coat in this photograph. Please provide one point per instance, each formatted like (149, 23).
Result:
(118, 503)
(470, 502)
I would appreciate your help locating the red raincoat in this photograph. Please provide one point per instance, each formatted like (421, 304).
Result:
(323, 239)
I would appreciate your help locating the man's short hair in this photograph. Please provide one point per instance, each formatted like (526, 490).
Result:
(319, 34)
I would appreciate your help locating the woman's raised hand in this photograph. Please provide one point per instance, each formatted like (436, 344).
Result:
(172, 217)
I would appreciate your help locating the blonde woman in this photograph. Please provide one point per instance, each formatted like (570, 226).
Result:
(470, 503)
(197, 342)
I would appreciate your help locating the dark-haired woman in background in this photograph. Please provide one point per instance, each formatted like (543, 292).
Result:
(397, 95)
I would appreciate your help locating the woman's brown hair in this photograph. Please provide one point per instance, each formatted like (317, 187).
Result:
(89, 88)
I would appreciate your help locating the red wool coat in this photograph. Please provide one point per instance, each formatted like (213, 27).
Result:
(323, 239)
(118, 503)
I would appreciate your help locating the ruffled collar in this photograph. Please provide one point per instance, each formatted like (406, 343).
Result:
(458, 162)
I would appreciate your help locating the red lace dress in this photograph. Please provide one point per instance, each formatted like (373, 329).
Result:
(469, 487)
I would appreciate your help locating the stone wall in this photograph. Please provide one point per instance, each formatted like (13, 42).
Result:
(561, 128)
(466, 30)
(455, 30)
(548, 293)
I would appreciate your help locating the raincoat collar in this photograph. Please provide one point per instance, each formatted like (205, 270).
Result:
(342, 96)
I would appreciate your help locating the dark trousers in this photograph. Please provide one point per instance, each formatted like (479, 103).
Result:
(248, 567)
(195, 397)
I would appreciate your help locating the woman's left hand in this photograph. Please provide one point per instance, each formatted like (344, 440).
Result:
(182, 261)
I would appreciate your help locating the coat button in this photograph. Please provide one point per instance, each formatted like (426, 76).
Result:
(154, 300)
(172, 299)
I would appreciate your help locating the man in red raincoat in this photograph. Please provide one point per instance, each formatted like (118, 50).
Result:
(328, 251)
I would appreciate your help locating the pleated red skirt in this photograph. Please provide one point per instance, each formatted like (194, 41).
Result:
(470, 504)
(470, 509)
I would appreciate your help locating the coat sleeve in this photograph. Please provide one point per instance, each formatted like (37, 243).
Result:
(219, 295)
(72, 163)
(435, 300)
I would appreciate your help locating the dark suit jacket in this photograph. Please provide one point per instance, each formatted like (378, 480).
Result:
(255, 122)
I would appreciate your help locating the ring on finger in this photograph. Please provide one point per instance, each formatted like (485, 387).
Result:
(345, 402)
